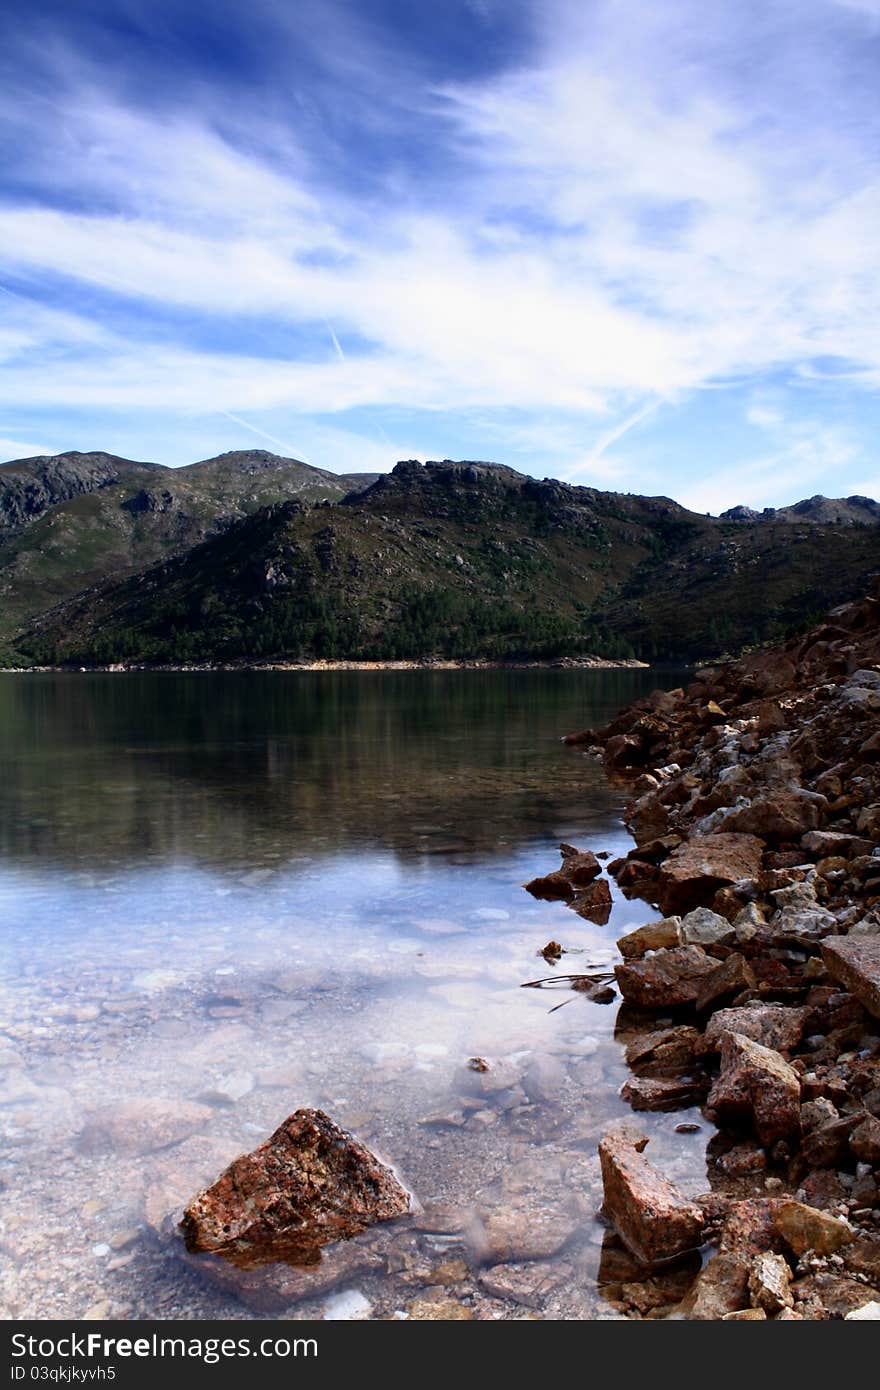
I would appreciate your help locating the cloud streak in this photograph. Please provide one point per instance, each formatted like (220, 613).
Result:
(614, 215)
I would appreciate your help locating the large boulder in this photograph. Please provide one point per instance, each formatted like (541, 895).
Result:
(756, 1083)
(309, 1184)
(665, 980)
(694, 872)
(650, 1215)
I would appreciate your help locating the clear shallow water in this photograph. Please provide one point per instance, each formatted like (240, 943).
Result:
(249, 892)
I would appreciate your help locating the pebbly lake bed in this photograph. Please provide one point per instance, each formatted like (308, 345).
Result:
(224, 896)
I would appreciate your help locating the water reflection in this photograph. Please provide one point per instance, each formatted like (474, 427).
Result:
(239, 767)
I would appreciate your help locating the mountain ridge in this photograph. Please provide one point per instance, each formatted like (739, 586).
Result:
(462, 559)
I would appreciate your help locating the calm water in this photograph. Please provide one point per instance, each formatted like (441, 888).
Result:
(224, 896)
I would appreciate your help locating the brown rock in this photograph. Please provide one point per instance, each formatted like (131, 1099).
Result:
(666, 979)
(309, 1184)
(664, 1093)
(142, 1126)
(772, 1025)
(779, 816)
(756, 1082)
(580, 866)
(664, 1052)
(653, 936)
(649, 1214)
(828, 1145)
(865, 1141)
(720, 1288)
(770, 1283)
(855, 963)
(750, 1227)
(528, 1284)
(746, 1315)
(806, 1228)
(518, 1232)
(694, 872)
(551, 886)
(594, 902)
(275, 1287)
(732, 976)
(439, 1310)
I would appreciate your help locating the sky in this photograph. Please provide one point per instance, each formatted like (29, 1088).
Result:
(627, 243)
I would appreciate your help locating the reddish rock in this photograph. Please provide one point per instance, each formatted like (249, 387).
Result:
(663, 1052)
(309, 1184)
(750, 1227)
(694, 872)
(580, 865)
(664, 1093)
(551, 886)
(854, 961)
(772, 1025)
(756, 1083)
(142, 1125)
(636, 878)
(667, 979)
(732, 976)
(648, 1212)
(827, 1145)
(276, 1287)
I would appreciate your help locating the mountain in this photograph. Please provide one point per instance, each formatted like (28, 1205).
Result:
(70, 520)
(464, 560)
(823, 511)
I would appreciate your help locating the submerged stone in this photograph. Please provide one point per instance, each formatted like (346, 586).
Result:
(309, 1184)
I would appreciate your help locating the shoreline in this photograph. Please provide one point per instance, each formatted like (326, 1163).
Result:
(565, 663)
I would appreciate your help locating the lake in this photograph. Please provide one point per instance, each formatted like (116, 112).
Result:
(227, 895)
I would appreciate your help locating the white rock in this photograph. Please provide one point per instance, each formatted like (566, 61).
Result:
(348, 1306)
(869, 1312)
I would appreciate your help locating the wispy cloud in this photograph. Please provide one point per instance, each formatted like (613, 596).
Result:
(637, 204)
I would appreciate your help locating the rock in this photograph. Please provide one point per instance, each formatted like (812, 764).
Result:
(823, 842)
(527, 1284)
(543, 1077)
(662, 1093)
(806, 1228)
(594, 902)
(777, 816)
(703, 927)
(439, 1310)
(348, 1306)
(309, 1184)
(550, 886)
(750, 1227)
(869, 1312)
(273, 1288)
(732, 976)
(721, 1287)
(865, 1141)
(828, 1145)
(770, 1283)
(579, 868)
(756, 1082)
(773, 1025)
(142, 1126)
(667, 979)
(855, 964)
(653, 936)
(695, 871)
(521, 1232)
(648, 1212)
(664, 1052)
(746, 1315)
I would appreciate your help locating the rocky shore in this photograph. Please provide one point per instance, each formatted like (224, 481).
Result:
(755, 991)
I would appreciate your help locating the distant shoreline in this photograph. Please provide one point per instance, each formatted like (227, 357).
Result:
(565, 663)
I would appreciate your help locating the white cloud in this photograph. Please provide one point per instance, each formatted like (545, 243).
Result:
(623, 224)
(20, 449)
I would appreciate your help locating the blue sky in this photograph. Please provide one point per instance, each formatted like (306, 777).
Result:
(631, 243)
